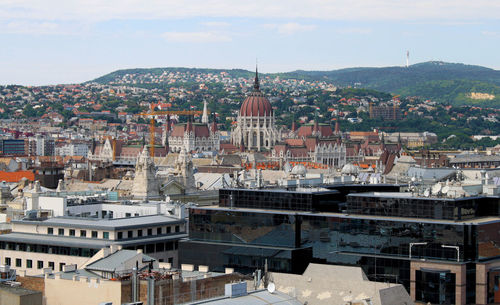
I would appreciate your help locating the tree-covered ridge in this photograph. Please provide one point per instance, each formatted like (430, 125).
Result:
(443, 82)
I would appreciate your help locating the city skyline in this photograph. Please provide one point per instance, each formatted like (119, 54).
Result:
(58, 42)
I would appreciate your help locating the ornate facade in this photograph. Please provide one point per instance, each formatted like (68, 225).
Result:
(194, 137)
(145, 183)
(255, 129)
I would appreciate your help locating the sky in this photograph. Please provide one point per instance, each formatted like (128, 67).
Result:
(69, 41)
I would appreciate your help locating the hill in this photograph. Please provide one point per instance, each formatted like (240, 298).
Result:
(452, 83)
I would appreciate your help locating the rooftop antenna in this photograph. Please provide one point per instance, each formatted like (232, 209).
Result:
(407, 59)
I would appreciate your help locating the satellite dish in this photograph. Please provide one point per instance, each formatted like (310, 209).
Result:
(271, 287)
(436, 188)
(427, 193)
(445, 189)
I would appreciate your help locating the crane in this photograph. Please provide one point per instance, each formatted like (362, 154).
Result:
(152, 113)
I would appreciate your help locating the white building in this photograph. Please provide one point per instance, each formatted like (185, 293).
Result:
(35, 244)
(73, 149)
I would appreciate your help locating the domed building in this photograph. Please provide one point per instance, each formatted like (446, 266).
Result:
(255, 128)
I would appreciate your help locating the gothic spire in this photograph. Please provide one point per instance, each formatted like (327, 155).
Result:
(256, 84)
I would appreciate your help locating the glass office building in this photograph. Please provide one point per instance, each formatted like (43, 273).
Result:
(444, 251)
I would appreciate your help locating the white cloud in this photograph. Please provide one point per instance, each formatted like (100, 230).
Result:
(362, 31)
(290, 28)
(366, 10)
(491, 33)
(30, 27)
(195, 37)
(216, 24)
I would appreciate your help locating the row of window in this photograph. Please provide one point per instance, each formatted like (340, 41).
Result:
(85, 252)
(29, 264)
(148, 232)
(120, 234)
(72, 232)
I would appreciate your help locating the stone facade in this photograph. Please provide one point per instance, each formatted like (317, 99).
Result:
(145, 183)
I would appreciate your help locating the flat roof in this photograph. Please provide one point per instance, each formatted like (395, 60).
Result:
(20, 291)
(82, 242)
(478, 220)
(410, 195)
(105, 223)
(316, 190)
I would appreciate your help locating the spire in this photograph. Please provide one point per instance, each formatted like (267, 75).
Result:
(337, 126)
(204, 117)
(256, 85)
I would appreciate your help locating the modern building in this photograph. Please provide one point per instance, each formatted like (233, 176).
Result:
(442, 250)
(255, 128)
(13, 147)
(35, 244)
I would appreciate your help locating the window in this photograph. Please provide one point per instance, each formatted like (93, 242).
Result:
(60, 231)
(150, 232)
(169, 229)
(150, 248)
(29, 263)
(18, 262)
(139, 233)
(71, 232)
(61, 266)
(177, 229)
(105, 235)
(83, 233)
(158, 231)
(51, 265)
(39, 264)
(94, 234)
(130, 234)
(120, 235)
(7, 261)
(128, 215)
(50, 231)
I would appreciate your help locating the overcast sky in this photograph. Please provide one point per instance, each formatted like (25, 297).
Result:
(50, 42)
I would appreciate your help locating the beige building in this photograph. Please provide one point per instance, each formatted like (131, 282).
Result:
(339, 285)
(19, 296)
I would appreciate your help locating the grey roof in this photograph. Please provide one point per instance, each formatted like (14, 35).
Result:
(114, 260)
(106, 224)
(231, 160)
(435, 174)
(82, 242)
(475, 158)
(254, 298)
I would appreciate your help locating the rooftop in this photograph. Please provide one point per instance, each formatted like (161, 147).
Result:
(18, 290)
(262, 297)
(104, 224)
(82, 242)
(115, 260)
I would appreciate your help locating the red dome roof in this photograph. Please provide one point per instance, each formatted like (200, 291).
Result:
(256, 104)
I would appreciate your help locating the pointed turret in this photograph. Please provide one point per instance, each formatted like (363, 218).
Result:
(204, 117)
(256, 84)
(337, 126)
(214, 122)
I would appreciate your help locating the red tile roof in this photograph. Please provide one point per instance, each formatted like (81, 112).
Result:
(16, 176)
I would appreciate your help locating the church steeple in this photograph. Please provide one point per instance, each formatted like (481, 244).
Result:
(256, 84)
(204, 118)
